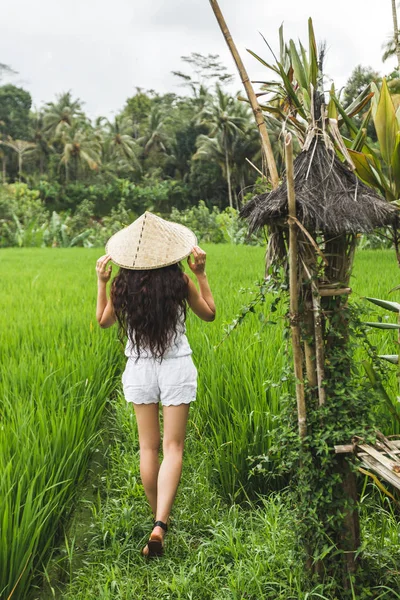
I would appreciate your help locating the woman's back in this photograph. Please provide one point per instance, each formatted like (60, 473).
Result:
(151, 309)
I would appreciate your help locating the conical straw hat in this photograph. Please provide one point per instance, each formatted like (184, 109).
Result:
(150, 243)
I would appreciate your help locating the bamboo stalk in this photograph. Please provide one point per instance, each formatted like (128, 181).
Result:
(309, 349)
(326, 292)
(258, 114)
(294, 292)
(319, 339)
(345, 449)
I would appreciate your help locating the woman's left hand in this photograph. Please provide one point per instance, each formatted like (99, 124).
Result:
(199, 265)
(103, 274)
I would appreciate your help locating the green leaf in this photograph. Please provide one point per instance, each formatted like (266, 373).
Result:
(359, 103)
(361, 136)
(298, 68)
(375, 98)
(272, 67)
(382, 325)
(332, 109)
(392, 358)
(392, 306)
(290, 92)
(305, 61)
(396, 165)
(282, 45)
(386, 124)
(377, 385)
(313, 57)
(363, 168)
(351, 126)
(359, 140)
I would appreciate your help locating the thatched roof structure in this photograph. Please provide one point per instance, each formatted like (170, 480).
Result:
(329, 197)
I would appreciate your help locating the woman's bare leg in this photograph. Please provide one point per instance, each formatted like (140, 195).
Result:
(147, 417)
(175, 421)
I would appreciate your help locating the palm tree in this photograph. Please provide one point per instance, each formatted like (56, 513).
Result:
(245, 148)
(20, 147)
(119, 146)
(41, 139)
(225, 119)
(61, 115)
(155, 137)
(80, 148)
(396, 32)
(392, 46)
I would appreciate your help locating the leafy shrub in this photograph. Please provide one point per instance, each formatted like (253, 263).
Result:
(215, 226)
(22, 216)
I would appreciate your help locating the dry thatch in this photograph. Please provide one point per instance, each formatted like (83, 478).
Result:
(329, 198)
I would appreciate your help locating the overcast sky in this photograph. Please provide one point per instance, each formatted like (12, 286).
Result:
(102, 50)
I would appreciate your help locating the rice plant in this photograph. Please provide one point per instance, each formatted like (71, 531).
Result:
(58, 370)
(56, 374)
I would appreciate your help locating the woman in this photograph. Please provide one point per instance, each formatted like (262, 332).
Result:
(148, 299)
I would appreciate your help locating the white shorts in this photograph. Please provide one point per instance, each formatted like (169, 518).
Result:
(172, 381)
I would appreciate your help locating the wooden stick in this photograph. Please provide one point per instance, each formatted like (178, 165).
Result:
(254, 167)
(319, 339)
(310, 237)
(294, 292)
(346, 449)
(259, 116)
(334, 292)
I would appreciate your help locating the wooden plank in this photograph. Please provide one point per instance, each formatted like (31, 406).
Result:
(371, 463)
(381, 458)
(345, 449)
(395, 443)
(386, 440)
(383, 447)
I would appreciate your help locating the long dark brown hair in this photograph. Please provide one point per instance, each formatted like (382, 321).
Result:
(149, 306)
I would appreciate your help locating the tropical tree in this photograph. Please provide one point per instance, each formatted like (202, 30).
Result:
(81, 148)
(61, 115)
(396, 32)
(245, 152)
(206, 71)
(155, 138)
(41, 139)
(225, 120)
(15, 104)
(20, 147)
(137, 109)
(119, 146)
(6, 70)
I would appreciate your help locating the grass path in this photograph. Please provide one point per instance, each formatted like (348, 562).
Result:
(214, 551)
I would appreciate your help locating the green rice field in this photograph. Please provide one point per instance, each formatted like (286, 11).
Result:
(73, 516)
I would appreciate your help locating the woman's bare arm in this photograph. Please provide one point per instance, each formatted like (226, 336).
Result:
(104, 311)
(200, 301)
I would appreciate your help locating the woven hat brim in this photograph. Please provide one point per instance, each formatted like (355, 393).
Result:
(173, 244)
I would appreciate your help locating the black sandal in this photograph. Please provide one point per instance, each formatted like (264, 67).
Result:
(156, 541)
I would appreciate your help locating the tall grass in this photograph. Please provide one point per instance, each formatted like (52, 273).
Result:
(240, 382)
(56, 373)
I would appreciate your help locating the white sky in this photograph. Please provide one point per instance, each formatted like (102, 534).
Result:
(102, 50)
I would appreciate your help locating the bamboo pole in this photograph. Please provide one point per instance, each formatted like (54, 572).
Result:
(258, 114)
(294, 291)
(319, 338)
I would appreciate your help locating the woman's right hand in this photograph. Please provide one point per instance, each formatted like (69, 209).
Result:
(103, 274)
(199, 265)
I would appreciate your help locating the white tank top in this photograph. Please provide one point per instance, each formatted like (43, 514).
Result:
(179, 345)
